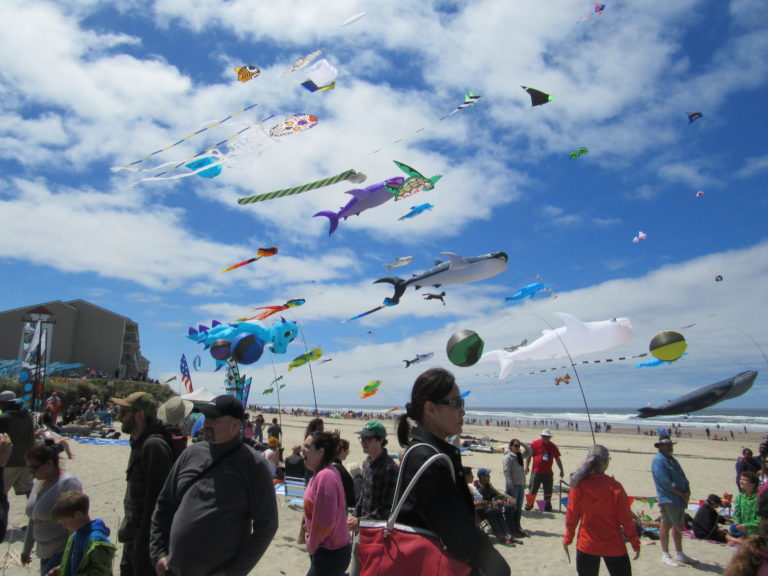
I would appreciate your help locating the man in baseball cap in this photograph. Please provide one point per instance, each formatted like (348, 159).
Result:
(543, 452)
(373, 428)
(379, 475)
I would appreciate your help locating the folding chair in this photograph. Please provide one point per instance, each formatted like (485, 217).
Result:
(294, 492)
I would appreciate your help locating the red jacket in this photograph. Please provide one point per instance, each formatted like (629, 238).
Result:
(600, 504)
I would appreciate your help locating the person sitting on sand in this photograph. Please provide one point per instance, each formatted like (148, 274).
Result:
(498, 500)
(746, 518)
(485, 510)
(705, 522)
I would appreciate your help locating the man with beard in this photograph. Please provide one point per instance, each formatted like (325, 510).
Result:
(217, 513)
(148, 466)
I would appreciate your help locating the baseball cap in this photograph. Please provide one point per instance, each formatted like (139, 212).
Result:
(8, 396)
(483, 472)
(224, 405)
(374, 428)
(139, 402)
(546, 432)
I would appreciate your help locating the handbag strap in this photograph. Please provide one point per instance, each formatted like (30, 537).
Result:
(422, 469)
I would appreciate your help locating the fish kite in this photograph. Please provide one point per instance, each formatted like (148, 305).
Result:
(640, 236)
(350, 175)
(528, 291)
(269, 310)
(598, 10)
(362, 199)
(301, 62)
(693, 116)
(704, 397)
(402, 261)
(579, 152)
(537, 96)
(523, 342)
(419, 358)
(246, 73)
(320, 76)
(292, 124)
(260, 253)
(302, 359)
(416, 210)
(369, 389)
(573, 339)
(415, 182)
(456, 270)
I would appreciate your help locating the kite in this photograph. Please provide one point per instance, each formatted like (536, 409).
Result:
(352, 19)
(395, 409)
(414, 183)
(180, 141)
(699, 194)
(567, 366)
(362, 199)
(431, 296)
(416, 210)
(466, 393)
(243, 341)
(598, 10)
(171, 379)
(246, 73)
(301, 62)
(469, 100)
(292, 124)
(693, 116)
(260, 253)
(640, 236)
(369, 389)
(268, 391)
(402, 261)
(350, 175)
(320, 76)
(197, 362)
(563, 379)
(324, 360)
(276, 380)
(528, 291)
(523, 342)
(457, 270)
(573, 339)
(206, 167)
(668, 345)
(302, 359)
(419, 358)
(654, 362)
(580, 151)
(704, 397)
(269, 310)
(719, 278)
(537, 96)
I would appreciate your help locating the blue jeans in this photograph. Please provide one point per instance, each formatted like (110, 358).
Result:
(326, 562)
(48, 564)
(518, 493)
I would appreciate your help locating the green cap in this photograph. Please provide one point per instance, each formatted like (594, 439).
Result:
(374, 428)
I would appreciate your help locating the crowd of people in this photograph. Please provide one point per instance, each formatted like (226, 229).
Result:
(209, 507)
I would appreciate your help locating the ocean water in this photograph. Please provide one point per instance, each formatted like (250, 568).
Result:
(755, 420)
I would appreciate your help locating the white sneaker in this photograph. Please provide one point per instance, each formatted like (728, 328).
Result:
(667, 559)
(683, 559)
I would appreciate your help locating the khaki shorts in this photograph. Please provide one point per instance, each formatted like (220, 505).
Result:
(19, 478)
(672, 515)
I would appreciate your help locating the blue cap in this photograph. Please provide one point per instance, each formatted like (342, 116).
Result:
(483, 472)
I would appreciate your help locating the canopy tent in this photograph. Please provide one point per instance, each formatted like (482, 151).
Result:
(198, 396)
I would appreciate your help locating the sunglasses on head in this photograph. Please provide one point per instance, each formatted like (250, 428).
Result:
(457, 402)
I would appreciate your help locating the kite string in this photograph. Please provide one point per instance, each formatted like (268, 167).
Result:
(274, 371)
(309, 362)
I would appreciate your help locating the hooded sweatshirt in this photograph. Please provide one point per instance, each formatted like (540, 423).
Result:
(88, 551)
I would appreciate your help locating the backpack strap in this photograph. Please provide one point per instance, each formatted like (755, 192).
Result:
(398, 504)
(205, 470)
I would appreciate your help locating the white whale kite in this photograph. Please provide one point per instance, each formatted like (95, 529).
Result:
(575, 338)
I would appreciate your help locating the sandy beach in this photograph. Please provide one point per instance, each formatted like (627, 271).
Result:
(708, 464)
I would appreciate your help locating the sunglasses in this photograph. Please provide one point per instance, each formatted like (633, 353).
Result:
(457, 402)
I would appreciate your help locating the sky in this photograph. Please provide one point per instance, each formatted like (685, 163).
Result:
(90, 85)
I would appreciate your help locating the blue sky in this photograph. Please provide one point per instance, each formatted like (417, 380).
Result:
(109, 85)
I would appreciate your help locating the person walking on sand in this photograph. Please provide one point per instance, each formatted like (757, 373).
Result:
(600, 504)
(543, 453)
(673, 492)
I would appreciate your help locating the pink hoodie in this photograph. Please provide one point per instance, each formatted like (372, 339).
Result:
(325, 512)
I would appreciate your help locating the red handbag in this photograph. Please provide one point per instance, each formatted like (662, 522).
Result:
(392, 549)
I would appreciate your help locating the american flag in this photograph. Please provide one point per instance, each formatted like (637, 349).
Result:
(185, 377)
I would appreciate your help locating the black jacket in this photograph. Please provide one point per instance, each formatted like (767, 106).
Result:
(444, 506)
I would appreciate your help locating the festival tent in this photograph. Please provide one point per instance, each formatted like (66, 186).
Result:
(199, 395)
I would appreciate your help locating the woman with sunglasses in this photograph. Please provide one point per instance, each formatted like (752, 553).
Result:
(514, 475)
(440, 500)
(48, 536)
(600, 505)
(325, 508)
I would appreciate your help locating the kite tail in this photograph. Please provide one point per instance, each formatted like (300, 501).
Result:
(400, 286)
(333, 219)
(407, 363)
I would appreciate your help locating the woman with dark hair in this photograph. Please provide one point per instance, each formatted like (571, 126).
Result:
(440, 501)
(48, 536)
(751, 557)
(329, 543)
(514, 476)
(346, 477)
(746, 462)
(600, 505)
